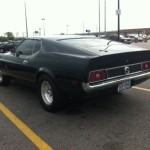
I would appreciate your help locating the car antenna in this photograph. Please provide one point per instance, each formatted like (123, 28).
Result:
(105, 50)
(109, 42)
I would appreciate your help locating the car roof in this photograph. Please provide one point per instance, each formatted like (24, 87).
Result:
(63, 37)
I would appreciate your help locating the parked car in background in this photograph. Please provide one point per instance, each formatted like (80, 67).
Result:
(8, 46)
(3, 43)
(137, 37)
(148, 37)
(140, 38)
(74, 66)
(133, 38)
(123, 39)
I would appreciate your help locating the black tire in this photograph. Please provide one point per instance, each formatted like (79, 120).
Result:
(49, 95)
(4, 80)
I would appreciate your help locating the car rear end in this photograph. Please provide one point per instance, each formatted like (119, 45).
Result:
(113, 65)
(118, 70)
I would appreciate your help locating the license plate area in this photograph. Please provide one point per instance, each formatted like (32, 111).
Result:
(124, 85)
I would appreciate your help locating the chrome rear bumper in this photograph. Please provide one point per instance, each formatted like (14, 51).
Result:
(87, 87)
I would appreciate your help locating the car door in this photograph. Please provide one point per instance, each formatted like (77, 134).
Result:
(23, 65)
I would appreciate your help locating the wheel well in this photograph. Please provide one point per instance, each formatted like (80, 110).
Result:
(43, 73)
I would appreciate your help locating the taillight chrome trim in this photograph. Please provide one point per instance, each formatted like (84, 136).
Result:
(142, 66)
(120, 76)
(97, 71)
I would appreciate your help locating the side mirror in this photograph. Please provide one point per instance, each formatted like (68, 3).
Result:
(18, 53)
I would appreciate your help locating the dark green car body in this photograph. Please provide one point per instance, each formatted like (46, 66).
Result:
(70, 60)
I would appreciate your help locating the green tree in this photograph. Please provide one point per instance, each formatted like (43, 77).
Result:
(3, 39)
(9, 35)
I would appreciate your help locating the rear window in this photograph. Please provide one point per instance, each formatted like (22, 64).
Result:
(85, 42)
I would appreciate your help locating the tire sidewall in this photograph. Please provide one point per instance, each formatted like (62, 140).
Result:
(55, 105)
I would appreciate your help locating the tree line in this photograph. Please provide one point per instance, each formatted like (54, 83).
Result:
(8, 36)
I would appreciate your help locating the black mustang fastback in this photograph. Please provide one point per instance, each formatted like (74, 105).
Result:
(74, 66)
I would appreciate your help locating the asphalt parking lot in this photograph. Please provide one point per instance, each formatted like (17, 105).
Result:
(109, 122)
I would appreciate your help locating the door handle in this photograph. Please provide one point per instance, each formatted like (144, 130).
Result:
(25, 62)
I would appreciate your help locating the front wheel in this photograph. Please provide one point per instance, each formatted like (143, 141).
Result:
(4, 80)
(49, 95)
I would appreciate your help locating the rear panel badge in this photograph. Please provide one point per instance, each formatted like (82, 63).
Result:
(126, 70)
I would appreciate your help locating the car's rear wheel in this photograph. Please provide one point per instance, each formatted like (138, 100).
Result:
(4, 80)
(49, 95)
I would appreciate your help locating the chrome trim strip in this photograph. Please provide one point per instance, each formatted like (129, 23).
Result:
(106, 84)
(124, 75)
(126, 65)
(116, 68)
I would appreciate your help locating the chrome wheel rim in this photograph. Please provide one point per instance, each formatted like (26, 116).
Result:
(47, 93)
(1, 76)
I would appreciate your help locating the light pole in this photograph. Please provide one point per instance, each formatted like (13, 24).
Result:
(26, 19)
(118, 13)
(105, 17)
(99, 20)
(67, 28)
(43, 19)
(83, 27)
(39, 31)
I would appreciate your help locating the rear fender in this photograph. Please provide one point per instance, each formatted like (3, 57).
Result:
(42, 71)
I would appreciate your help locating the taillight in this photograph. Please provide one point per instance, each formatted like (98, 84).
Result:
(146, 66)
(97, 76)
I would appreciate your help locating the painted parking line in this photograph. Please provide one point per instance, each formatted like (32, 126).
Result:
(139, 88)
(39, 143)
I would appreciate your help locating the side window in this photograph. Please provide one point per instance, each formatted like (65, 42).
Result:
(26, 47)
(37, 46)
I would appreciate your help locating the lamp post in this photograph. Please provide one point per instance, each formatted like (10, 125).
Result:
(118, 12)
(99, 20)
(39, 31)
(43, 19)
(26, 19)
(83, 27)
(67, 28)
(105, 17)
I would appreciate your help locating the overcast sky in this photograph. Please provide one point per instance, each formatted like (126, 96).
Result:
(74, 13)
